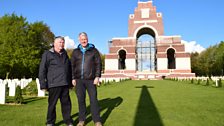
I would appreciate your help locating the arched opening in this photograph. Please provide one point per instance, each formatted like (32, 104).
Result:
(146, 50)
(121, 59)
(171, 59)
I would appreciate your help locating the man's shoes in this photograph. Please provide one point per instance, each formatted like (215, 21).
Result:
(98, 124)
(50, 125)
(70, 124)
(81, 123)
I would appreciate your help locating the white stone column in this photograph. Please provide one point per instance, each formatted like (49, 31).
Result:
(216, 83)
(29, 80)
(40, 92)
(2, 92)
(22, 83)
(18, 82)
(12, 87)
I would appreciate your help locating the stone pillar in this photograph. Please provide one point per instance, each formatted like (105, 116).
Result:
(40, 92)
(12, 87)
(18, 82)
(2, 92)
(216, 82)
(23, 83)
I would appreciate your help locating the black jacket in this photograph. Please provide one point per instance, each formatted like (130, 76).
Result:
(55, 70)
(86, 64)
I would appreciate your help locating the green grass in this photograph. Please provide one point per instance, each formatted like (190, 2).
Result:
(133, 103)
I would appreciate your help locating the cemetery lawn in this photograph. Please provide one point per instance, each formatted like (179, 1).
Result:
(133, 103)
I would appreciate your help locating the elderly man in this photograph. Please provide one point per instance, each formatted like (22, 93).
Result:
(86, 71)
(55, 77)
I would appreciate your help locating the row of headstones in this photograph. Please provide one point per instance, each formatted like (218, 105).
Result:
(107, 80)
(213, 78)
(12, 87)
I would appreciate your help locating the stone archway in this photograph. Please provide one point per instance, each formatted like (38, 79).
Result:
(171, 59)
(145, 50)
(121, 59)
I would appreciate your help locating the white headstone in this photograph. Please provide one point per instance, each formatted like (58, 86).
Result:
(2, 92)
(12, 87)
(5, 81)
(216, 83)
(40, 92)
(1, 81)
(30, 80)
(23, 83)
(18, 82)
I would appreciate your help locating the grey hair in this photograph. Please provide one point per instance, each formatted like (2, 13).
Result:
(61, 37)
(83, 33)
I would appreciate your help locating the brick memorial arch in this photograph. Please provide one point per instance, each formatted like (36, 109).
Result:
(153, 57)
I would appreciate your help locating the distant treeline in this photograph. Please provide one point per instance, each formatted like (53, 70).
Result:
(209, 62)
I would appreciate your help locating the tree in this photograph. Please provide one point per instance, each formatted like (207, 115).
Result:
(39, 39)
(69, 52)
(209, 62)
(12, 33)
(217, 69)
(195, 64)
(103, 61)
(21, 46)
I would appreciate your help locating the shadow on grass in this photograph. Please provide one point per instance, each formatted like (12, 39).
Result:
(107, 105)
(147, 114)
(26, 100)
(32, 99)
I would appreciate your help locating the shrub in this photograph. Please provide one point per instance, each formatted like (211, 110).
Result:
(31, 89)
(219, 83)
(207, 82)
(103, 82)
(192, 80)
(18, 96)
(199, 81)
(7, 91)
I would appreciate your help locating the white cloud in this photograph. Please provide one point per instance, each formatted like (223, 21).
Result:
(192, 46)
(69, 43)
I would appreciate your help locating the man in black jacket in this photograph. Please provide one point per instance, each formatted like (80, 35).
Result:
(86, 71)
(55, 77)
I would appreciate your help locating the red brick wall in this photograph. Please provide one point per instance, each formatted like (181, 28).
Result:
(127, 49)
(115, 56)
(152, 16)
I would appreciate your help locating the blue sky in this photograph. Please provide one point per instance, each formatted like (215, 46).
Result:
(199, 22)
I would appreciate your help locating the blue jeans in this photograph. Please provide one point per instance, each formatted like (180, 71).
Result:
(81, 87)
